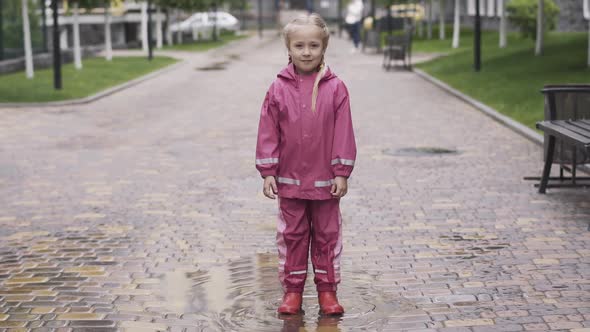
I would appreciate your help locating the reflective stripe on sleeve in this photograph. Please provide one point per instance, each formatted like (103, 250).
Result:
(267, 161)
(348, 162)
(289, 181)
(298, 272)
(326, 183)
(321, 271)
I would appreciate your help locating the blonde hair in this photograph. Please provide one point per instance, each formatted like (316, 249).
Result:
(318, 21)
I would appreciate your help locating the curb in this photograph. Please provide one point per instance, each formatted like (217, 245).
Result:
(517, 127)
(109, 91)
(98, 95)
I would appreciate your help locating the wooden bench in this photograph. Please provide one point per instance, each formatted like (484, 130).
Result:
(575, 132)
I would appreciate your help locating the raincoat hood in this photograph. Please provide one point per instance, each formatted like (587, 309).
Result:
(289, 73)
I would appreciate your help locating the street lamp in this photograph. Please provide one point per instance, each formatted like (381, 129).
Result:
(477, 39)
(56, 49)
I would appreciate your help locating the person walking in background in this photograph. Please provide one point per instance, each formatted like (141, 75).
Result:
(305, 152)
(354, 15)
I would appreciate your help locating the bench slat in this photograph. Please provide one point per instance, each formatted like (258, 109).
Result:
(575, 127)
(564, 128)
(580, 124)
(553, 128)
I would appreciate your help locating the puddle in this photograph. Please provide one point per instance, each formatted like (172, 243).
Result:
(234, 56)
(472, 246)
(244, 294)
(419, 151)
(215, 66)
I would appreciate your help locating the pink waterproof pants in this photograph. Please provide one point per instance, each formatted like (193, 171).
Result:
(303, 223)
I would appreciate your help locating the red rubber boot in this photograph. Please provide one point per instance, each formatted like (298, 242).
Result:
(329, 303)
(291, 304)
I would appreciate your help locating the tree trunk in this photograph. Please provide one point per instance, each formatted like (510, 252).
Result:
(159, 37)
(540, 19)
(169, 16)
(27, 41)
(441, 19)
(178, 32)
(107, 32)
(457, 23)
(588, 43)
(76, 27)
(421, 28)
(144, 27)
(502, 23)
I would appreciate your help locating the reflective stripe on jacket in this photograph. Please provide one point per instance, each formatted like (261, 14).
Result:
(305, 150)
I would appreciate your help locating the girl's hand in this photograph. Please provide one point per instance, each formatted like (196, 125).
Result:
(270, 187)
(340, 187)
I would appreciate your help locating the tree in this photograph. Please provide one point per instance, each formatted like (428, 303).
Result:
(27, 40)
(76, 5)
(429, 27)
(533, 18)
(457, 23)
(159, 28)
(107, 31)
(144, 26)
(441, 19)
(502, 29)
(76, 28)
(540, 19)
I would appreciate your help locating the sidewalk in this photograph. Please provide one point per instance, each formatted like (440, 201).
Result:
(143, 211)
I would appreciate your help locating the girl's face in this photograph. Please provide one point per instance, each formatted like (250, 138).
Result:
(306, 48)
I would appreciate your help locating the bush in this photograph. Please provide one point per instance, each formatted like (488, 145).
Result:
(523, 13)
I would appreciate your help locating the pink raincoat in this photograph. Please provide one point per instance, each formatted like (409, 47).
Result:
(302, 149)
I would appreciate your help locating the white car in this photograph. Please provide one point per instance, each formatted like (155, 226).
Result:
(205, 20)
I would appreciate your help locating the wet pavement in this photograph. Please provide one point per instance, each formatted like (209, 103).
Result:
(143, 211)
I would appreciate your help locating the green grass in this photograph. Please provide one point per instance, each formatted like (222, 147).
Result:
(510, 78)
(96, 75)
(201, 46)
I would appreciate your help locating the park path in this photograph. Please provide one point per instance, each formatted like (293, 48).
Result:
(143, 211)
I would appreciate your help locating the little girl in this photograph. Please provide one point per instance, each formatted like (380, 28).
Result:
(305, 153)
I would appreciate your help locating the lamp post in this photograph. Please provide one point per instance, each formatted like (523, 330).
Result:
(56, 48)
(477, 39)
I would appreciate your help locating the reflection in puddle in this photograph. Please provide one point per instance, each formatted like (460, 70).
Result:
(243, 296)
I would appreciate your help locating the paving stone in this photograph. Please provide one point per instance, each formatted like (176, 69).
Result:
(79, 316)
(92, 323)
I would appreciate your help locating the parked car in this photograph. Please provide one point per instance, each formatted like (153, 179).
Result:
(205, 20)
